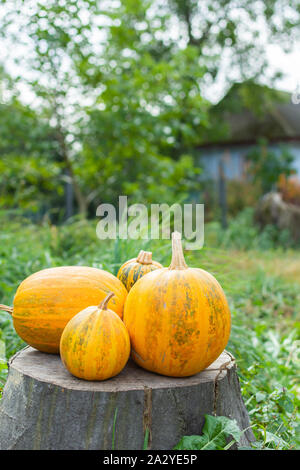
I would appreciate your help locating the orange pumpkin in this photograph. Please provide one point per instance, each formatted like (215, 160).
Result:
(95, 343)
(178, 318)
(135, 268)
(48, 299)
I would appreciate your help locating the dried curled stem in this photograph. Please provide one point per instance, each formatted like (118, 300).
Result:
(178, 261)
(144, 257)
(6, 308)
(103, 304)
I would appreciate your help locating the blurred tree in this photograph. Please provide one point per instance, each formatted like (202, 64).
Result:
(150, 110)
(54, 36)
(232, 35)
(118, 113)
(29, 164)
(120, 83)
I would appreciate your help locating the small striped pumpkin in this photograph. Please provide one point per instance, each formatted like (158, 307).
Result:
(95, 344)
(135, 268)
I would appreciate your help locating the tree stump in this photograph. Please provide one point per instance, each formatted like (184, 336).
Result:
(45, 407)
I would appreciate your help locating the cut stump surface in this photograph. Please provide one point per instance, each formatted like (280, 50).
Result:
(45, 407)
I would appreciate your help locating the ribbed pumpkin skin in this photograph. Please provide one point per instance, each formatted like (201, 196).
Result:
(95, 344)
(178, 321)
(132, 271)
(48, 299)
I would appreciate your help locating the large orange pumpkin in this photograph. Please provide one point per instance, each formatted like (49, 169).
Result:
(178, 318)
(95, 344)
(48, 299)
(135, 268)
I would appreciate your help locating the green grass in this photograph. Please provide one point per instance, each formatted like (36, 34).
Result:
(264, 306)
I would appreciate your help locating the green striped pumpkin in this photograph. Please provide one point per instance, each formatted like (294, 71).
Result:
(135, 268)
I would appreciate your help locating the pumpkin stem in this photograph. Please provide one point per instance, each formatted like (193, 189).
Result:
(6, 308)
(103, 305)
(177, 261)
(144, 257)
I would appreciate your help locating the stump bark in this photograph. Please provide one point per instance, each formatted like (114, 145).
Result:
(45, 407)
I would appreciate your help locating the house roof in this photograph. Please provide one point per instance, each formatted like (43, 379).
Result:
(249, 112)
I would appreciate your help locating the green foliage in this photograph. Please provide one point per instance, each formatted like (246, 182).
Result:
(266, 166)
(29, 165)
(216, 432)
(240, 195)
(227, 27)
(265, 343)
(149, 112)
(243, 233)
(3, 363)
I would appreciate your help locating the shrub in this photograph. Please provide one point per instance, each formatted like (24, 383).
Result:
(289, 189)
